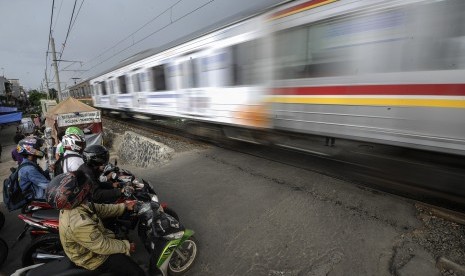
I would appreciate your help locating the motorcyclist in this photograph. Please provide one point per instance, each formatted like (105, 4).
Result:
(96, 157)
(85, 240)
(74, 143)
(32, 179)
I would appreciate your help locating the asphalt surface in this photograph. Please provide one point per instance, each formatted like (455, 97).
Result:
(258, 217)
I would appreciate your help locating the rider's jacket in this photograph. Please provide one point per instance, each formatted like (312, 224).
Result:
(84, 238)
(102, 192)
(32, 180)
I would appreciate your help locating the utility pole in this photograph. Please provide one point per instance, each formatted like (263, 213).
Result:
(46, 84)
(55, 64)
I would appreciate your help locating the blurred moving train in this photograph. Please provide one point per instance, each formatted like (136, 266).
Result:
(389, 72)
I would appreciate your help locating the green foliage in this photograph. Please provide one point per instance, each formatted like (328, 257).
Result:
(53, 93)
(35, 97)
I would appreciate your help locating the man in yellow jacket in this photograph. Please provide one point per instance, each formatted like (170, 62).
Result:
(85, 240)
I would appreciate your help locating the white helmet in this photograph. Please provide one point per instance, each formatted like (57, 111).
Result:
(74, 142)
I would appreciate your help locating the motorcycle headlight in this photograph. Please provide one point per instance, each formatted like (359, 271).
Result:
(174, 236)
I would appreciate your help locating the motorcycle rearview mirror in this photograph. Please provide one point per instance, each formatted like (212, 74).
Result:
(116, 162)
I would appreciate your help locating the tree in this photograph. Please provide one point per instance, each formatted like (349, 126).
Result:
(35, 97)
(53, 93)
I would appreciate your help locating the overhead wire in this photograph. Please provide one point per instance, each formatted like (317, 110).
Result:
(77, 14)
(156, 31)
(140, 28)
(69, 29)
(58, 15)
(72, 21)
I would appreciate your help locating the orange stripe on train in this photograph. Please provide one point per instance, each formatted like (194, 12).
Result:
(300, 8)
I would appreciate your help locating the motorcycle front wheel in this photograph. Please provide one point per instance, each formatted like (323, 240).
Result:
(3, 251)
(183, 257)
(43, 249)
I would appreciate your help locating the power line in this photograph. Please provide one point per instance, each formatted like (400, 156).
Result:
(72, 21)
(58, 15)
(77, 14)
(158, 30)
(131, 34)
(69, 28)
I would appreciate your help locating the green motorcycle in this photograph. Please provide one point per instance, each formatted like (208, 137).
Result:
(172, 248)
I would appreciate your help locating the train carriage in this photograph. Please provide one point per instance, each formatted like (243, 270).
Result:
(214, 78)
(389, 72)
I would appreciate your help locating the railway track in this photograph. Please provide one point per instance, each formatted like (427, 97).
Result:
(431, 178)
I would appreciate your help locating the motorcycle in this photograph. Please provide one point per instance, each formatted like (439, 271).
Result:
(173, 248)
(3, 245)
(46, 246)
(42, 224)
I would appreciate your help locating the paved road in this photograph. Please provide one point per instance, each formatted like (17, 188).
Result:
(257, 217)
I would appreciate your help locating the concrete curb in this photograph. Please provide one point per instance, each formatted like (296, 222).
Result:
(449, 215)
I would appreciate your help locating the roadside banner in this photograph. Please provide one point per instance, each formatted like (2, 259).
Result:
(78, 118)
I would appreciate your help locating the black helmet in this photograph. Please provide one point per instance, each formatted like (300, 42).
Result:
(67, 190)
(96, 155)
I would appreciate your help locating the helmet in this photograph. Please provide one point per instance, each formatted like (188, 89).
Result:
(74, 142)
(67, 190)
(74, 130)
(30, 146)
(96, 155)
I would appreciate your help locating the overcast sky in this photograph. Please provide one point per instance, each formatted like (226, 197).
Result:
(104, 32)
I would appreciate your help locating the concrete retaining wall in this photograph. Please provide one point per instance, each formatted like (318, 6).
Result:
(140, 151)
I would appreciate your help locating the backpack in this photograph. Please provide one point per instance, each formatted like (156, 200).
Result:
(59, 163)
(13, 196)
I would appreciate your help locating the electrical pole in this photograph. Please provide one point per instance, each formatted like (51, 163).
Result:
(55, 64)
(46, 84)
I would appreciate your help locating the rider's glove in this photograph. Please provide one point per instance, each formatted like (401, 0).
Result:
(108, 177)
(128, 191)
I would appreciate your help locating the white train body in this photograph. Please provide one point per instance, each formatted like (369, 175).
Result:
(389, 72)
(195, 80)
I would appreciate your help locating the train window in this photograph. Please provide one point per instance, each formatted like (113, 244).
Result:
(245, 66)
(111, 87)
(136, 82)
(158, 78)
(215, 69)
(190, 76)
(172, 79)
(122, 84)
(405, 38)
(103, 88)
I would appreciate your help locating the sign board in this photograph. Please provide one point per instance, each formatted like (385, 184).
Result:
(79, 118)
(47, 105)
